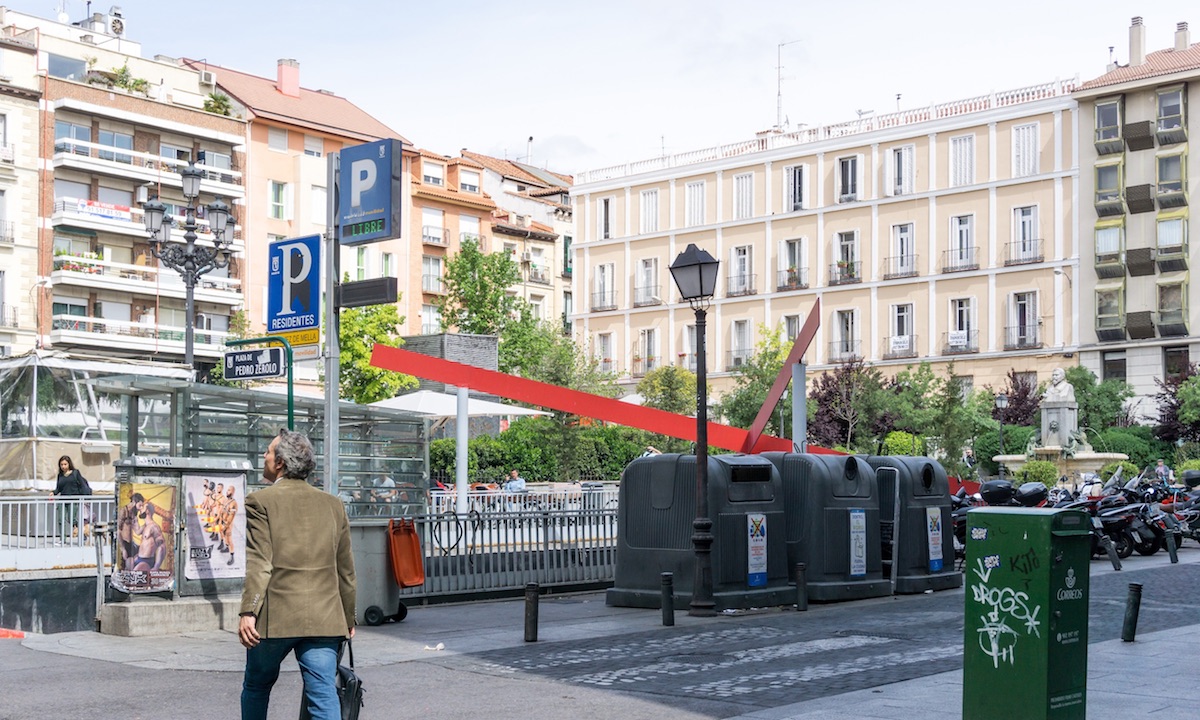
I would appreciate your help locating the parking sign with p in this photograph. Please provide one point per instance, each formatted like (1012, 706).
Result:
(294, 289)
(369, 182)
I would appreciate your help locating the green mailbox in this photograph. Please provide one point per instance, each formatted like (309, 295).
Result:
(1025, 636)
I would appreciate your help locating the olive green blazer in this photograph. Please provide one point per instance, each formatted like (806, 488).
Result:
(299, 566)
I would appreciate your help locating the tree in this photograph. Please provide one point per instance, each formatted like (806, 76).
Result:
(850, 403)
(476, 299)
(218, 103)
(1172, 427)
(1023, 401)
(911, 389)
(239, 328)
(1100, 404)
(671, 388)
(740, 405)
(360, 330)
(957, 420)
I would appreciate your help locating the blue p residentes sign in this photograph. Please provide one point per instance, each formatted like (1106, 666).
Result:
(294, 289)
(369, 183)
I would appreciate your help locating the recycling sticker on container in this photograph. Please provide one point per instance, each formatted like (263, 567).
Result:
(756, 546)
(858, 543)
(933, 531)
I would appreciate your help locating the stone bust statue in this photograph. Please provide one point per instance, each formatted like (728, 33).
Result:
(1059, 389)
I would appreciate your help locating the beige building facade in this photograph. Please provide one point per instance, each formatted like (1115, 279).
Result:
(1135, 200)
(939, 234)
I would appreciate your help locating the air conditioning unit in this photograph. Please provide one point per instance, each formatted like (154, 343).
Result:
(526, 257)
(208, 77)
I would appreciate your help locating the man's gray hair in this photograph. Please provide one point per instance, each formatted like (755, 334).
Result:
(296, 453)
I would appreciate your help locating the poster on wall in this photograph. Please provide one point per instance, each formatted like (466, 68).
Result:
(215, 541)
(145, 559)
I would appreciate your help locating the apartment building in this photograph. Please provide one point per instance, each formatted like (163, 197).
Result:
(20, 289)
(449, 207)
(288, 133)
(1134, 210)
(113, 128)
(941, 234)
(535, 224)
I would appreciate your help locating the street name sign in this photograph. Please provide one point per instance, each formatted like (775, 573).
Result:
(254, 364)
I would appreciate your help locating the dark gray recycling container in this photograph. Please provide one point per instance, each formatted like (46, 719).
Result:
(924, 558)
(833, 524)
(654, 532)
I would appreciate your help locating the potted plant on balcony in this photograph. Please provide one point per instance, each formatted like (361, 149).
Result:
(793, 276)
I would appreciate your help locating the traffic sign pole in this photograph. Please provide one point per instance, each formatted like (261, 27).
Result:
(287, 353)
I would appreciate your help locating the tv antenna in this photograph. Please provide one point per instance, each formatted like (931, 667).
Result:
(779, 121)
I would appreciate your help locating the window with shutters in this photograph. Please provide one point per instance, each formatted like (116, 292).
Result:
(1110, 241)
(431, 320)
(1171, 234)
(962, 160)
(278, 200)
(739, 351)
(903, 262)
(847, 179)
(604, 217)
(694, 204)
(903, 171)
(845, 344)
(962, 314)
(793, 188)
(1025, 150)
(314, 146)
(604, 352)
(277, 139)
(468, 180)
(649, 211)
(791, 327)
(1026, 244)
(431, 274)
(741, 271)
(1023, 321)
(902, 320)
(743, 196)
(432, 173)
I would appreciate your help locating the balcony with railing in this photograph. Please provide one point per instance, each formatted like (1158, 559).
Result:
(606, 365)
(8, 233)
(8, 315)
(604, 300)
(960, 342)
(133, 337)
(435, 235)
(687, 361)
(845, 272)
(736, 359)
(567, 270)
(144, 276)
(960, 259)
(432, 284)
(642, 365)
(899, 346)
(645, 295)
(792, 279)
(1024, 252)
(129, 221)
(1023, 337)
(741, 285)
(463, 237)
(899, 266)
(845, 350)
(93, 157)
(539, 274)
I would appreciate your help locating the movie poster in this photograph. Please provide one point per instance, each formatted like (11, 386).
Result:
(145, 560)
(216, 526)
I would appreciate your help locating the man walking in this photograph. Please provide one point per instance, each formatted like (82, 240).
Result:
(299, 591)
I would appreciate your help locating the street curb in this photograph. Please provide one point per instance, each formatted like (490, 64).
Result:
(6, 633)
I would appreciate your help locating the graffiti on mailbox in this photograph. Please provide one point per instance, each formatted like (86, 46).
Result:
(997, 637)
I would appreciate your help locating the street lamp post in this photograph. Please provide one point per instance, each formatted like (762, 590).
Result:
(695, 274)
(187, 258)
(1001, 405)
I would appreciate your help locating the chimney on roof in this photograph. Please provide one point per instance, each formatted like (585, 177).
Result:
(1137, 42)
(1183, 39)
(288, 78)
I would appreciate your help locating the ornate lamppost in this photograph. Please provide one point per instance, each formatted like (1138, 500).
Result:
(1001, 405)
(695, 274)
(187, 258)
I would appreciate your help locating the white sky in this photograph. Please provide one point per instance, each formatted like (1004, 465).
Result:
(606, 82)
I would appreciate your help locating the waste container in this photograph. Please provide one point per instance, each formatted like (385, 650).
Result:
(377, 596)
(1025, 635)
(832, 504)
(657, 505)
(914, 518)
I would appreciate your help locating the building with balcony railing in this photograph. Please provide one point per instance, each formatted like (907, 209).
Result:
(1136, 195)
(920, 222)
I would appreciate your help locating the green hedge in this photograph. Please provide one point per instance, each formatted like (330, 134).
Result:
(1042, 471)
(1120, 440)
(987, 445)
(899, 442)
(1130, 470)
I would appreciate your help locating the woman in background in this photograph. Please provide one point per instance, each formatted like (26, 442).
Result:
(71, 483)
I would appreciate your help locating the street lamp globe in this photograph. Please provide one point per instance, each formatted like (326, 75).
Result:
(218, 217)
(153, 212)
(1001, 402)
(191, 177)
(695, 274)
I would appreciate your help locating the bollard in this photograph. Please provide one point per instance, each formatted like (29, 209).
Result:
(668, 599)
(1170, 540)
(1110, 549)
(531, 612)
(1133, 604)
(801, 587)
(99, 531)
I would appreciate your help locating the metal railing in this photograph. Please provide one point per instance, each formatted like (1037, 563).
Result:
(135, 158)
(432, 284)
(739, 285)
(792, 279)
(844, 350)
(126, 329)
(496, 500)
(735, 360)
(957, 342)
(844, 272)
(899, 266)
(642, 365)
(960, 259)
(45, 521)
(899, 346)
(687, 361)
(8, 315)
(604, 300)
(8, 235)
(434, 235)
(647, 295)
(539, 274)
(1023, 337)
(91, 264)
(1023, 252)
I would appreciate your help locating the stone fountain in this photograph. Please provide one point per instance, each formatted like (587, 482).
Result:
(1060, 441)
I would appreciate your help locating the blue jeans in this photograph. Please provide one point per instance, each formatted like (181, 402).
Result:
(318, 667)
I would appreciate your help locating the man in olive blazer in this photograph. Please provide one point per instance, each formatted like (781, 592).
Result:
(299, 591)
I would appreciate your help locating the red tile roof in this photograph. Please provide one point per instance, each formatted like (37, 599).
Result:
(1160, 62)
(319, 111)
(516, 171)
